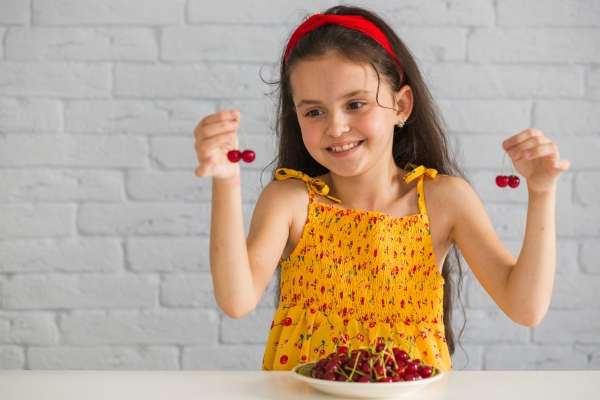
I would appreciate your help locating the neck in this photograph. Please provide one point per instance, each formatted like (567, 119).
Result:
(375, 189)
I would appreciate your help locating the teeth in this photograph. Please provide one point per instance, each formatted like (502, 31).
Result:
(344, 147)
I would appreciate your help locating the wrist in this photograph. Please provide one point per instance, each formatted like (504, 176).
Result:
(546, 192)
(233, 180)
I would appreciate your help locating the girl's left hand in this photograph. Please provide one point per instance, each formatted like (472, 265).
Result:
(536, 158)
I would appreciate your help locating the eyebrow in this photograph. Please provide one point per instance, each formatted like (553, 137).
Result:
(354, 93)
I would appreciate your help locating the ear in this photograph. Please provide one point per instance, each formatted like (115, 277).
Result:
(403, 102)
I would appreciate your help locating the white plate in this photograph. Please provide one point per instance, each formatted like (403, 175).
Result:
(363, 390)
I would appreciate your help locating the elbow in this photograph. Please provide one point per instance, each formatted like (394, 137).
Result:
(234, 307)
(532, 322)
(529, 319)
(235, 311)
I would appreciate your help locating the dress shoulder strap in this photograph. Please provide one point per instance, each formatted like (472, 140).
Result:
(314, 185)
(419, 172)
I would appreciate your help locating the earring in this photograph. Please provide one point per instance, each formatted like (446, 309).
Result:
(400, 124)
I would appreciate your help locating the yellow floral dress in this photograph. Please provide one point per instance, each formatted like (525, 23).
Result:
(356, 278)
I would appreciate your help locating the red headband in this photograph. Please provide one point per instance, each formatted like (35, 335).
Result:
(355, 22)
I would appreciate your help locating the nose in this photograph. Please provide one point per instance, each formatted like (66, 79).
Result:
(338, 124)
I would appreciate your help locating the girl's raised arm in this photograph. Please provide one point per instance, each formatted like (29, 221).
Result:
(522, 288)
(240, 269)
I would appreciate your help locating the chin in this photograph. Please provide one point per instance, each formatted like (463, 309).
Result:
(345, 171)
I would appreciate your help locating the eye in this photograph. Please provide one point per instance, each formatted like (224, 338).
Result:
(310, 115)
(358, 102)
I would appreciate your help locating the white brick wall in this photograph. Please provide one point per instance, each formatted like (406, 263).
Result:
(104, 228)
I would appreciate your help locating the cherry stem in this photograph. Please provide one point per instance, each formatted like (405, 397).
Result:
(241, 138)
(354, 368)
(512, 168)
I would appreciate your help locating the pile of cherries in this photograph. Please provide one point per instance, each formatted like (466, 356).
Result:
(381, 364)
(510, 180)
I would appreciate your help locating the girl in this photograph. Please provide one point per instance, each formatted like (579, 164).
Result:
(365, 205)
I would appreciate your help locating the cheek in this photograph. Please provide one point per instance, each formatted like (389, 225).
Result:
(311, 139)
(378, 131)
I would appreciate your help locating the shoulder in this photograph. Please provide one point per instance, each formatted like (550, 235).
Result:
(290, 195)
(450, 189)
(450, 195)
(448, 185)
(285, 190)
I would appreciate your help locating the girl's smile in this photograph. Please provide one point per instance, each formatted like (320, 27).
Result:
(346, 149)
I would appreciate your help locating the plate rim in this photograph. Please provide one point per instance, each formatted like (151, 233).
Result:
(310, 379)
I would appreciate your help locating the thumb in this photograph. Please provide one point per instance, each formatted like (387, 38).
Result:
(562, 165)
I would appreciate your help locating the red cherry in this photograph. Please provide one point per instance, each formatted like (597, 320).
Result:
(234, 155)
(502, 180)
(513, 181)
(425, 371)
(412, 367)
(283, 359)
(329, 376)
(400, 354)
(411, 376)
(248, 156)
(365, 367)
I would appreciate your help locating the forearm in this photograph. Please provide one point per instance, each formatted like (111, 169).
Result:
(232, 279)
(531, 280)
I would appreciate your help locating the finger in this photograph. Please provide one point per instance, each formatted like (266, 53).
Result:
(204, 170)
(213, 154)
(219, 144)
(562, 165)
(206, 166)
(219, 140)
(215, 128)
(548, 150)
(200, 171)
(523, 149)
(521, 137)
(219, 116)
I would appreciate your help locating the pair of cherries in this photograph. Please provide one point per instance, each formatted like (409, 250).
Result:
(511, 180)
(236, 155)
(507, 180)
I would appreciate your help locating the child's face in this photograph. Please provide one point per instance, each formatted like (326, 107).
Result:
(334, 119)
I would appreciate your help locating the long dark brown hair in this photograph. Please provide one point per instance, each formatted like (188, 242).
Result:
(421, 141)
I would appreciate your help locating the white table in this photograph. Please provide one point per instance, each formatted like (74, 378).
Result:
(196, 385)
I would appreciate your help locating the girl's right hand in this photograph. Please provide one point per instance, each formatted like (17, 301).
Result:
(215, 135)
